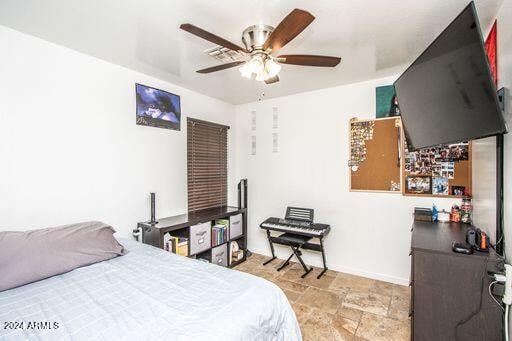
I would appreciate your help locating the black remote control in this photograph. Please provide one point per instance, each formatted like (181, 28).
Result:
(462, 248)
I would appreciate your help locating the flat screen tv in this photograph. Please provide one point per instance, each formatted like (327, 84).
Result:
(448, 95)
(157, 108)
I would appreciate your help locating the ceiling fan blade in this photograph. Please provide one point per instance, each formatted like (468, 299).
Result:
(272, 80)
(210, 37)
(220, 67)
(309, 60)
(290, 27)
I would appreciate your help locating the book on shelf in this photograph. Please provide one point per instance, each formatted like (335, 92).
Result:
(220, 231)
(224, 222)
(219, 234)
(178, 245)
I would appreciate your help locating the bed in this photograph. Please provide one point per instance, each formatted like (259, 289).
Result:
(148, 294)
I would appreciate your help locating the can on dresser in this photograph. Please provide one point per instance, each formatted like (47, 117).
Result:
(466, 210)
(455, 214)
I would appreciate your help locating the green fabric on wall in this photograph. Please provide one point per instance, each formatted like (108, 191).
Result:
(384, 95)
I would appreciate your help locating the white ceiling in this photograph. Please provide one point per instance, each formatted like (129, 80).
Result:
(374, 38)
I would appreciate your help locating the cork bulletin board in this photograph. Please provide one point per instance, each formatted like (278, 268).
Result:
(375, 163)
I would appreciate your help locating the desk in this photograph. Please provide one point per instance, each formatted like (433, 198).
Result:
(447, 286)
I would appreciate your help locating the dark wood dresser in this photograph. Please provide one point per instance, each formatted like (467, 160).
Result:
(450, 299)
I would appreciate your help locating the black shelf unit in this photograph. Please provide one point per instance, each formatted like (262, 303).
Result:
(154, 233)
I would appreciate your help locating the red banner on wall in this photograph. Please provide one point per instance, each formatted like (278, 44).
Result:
(491, 48)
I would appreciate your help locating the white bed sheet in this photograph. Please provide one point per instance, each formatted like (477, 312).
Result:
(148, 294)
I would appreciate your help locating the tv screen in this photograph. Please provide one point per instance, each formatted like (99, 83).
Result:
(157, 108)
(448, 95)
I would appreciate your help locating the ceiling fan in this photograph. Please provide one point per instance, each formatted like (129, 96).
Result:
(260, 42)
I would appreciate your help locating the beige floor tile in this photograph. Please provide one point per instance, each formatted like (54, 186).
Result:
(318, 326)
(254, 270)
(328, 272)
(276, 263)
(323, 282)
(267, 273)
(339, 305)
(290, 285)
(399, 307)
(246, 266)
(324, 300)
(325, 326)
(379, 328)
(344, 328)
(294, 274)
(302, 312)
(350, 313)
(258, 258)
(402, 290)
(340, 292)
(292, 295)
(351, 282)
(383, 288)
(368, 302)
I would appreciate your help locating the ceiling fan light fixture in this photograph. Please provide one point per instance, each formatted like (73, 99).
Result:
(261, 42)
(257, 64)
(245, 70)
(262, 76)
(272, 68)
(263, 68)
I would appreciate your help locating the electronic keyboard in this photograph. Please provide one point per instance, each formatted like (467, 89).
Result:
(296, 226)
(299, 229)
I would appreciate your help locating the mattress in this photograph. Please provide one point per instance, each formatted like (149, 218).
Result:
(148, 294)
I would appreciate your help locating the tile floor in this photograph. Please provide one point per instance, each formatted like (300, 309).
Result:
(339, 306)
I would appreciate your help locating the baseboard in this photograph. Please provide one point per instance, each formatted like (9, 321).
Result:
(315, 261)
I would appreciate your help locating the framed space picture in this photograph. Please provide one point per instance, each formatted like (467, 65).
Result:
(157, 108)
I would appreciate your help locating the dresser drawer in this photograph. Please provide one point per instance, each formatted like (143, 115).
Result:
(220, 255)
(200, 237)
(235, 226)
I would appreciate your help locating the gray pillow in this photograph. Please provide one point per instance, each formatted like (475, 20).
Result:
(29, 256)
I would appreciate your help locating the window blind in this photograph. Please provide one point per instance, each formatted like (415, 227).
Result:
(207, 168)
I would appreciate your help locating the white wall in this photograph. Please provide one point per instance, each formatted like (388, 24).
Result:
(484, 153)
(370, 231)
(484, 185)
(70, 149)
(505, 79)
(504, 18)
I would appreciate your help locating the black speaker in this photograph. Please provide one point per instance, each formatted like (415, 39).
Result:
(502, 98)
(153, 214)
(471, 237)
(242, 193)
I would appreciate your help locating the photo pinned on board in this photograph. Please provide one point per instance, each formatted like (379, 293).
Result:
(440, 186)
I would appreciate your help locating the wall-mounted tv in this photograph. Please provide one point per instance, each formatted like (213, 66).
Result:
(448, 95)
(157, 108)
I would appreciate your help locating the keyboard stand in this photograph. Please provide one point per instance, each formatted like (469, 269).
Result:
(295, 242)
(271, 248)
(305, 245)
(298, 241)
(323, 258)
